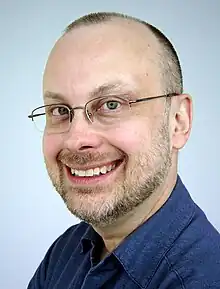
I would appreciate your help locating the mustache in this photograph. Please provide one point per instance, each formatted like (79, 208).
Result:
(84, 158)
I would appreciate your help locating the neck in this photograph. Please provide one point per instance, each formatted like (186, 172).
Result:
(115, 233)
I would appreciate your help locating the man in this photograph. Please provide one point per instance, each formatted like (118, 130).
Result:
(115, 119)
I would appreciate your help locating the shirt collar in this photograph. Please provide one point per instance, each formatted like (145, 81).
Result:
(89, 239)
(142, 251)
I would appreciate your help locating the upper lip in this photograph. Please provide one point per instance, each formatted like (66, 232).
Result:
(93, 166)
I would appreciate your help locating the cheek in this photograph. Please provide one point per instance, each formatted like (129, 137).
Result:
(52, 145)
(131, 138)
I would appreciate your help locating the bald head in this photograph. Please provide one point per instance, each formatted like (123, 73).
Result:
(165, 56)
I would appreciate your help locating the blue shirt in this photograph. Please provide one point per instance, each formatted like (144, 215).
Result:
(176, 248)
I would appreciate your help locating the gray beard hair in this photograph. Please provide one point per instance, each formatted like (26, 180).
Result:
(146, 179)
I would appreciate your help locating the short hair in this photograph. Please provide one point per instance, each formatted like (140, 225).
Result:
(171, 72)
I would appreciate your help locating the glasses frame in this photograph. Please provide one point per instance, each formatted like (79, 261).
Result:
(89, 114)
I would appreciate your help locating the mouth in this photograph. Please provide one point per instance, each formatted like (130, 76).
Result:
(92, 174)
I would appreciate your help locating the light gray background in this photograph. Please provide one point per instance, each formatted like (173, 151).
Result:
(32, 214)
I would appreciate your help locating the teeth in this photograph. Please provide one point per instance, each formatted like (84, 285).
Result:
(89, 173)
(82, 173)
(93, 172)
(103, 170)
(96, 172)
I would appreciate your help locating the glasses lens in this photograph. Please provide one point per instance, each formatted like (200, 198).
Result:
(107, 110)
(52, 118)
(39, 118)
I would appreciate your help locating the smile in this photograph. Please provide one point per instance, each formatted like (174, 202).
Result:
(95, 172)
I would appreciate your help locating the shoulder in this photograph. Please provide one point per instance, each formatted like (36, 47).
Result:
(195, 256)
(62, 248)
(74, 232)
(67, 242)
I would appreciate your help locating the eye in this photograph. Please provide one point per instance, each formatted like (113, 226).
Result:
(107, 106)
(111, 105)
(55, 110)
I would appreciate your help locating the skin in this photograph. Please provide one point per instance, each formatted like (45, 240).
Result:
(148, 141)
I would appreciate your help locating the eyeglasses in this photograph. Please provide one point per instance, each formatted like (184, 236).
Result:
(102, 111)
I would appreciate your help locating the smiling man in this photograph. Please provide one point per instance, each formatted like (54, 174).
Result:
(114, 119)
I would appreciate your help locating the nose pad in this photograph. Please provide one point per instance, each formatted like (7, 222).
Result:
(71, 116)
(90, 116)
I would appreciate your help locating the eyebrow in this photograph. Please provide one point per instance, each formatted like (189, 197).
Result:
(102, 90)
(109, 88)
(54, 96)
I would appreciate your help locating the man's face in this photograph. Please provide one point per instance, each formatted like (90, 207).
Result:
(136, 150)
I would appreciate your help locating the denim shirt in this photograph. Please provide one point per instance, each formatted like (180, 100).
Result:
(176, 248)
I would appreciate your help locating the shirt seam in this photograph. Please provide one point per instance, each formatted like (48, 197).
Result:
(175, 272)
(162, 257)
(168, 249)
(129, 274)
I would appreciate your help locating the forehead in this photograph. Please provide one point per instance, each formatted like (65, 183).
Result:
(90, 56)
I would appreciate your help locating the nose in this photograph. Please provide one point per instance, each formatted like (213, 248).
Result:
(82, 135)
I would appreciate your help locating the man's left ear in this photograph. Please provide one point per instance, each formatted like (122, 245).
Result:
(182, 116)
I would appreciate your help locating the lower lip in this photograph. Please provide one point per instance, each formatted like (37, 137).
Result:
(91, 180)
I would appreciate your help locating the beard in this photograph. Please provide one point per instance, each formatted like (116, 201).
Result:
(101, 205)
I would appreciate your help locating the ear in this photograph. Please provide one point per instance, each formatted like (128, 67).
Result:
(182, 120)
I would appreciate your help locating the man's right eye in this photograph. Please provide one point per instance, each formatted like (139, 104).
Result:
(58, 111)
